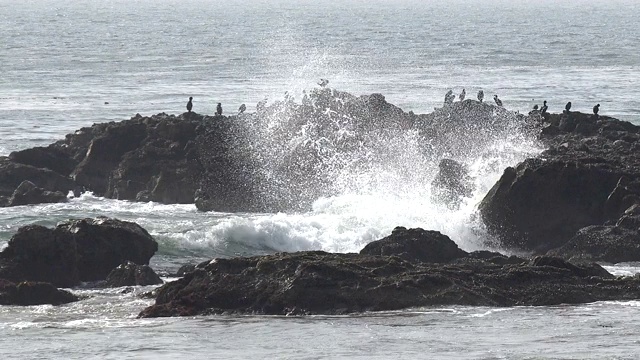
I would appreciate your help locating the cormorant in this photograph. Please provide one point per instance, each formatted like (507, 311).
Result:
(498, 101)
(448, 97)
(462, 95)
(596, 109)
(219, 109)
(567, 107)
(190, 104)
(480, 95)
(323, 82)
(535, 107)
(242, 109)
(544, 108)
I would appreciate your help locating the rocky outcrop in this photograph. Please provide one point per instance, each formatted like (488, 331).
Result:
(132, 274)
(28, 193)
(74, 251)
(12, 175)
(451, 184)
(317, 282)
(588, 176)
(416, 245)
(33, 293)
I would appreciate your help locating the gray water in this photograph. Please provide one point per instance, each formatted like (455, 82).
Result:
(64, 65)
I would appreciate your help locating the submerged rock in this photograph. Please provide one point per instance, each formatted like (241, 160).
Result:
(74, 251)
(33, 293)
(132, 274)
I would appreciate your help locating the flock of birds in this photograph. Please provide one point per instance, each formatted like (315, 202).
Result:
(449, 97)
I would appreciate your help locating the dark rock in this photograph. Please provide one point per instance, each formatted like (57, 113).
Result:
(451, 184)
(33, 293)
(131, 274)
(13, 174)
(611, 244)
(105, 243)
(184, 269)
(28, 193)
(323, 283)
(416, 245)
(74, 251)
(51, 157)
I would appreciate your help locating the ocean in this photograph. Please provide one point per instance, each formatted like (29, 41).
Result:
(66, 65)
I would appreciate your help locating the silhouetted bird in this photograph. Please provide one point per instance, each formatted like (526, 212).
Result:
(480, 95)
(498, 101)
(448, 97)
(462, 95)
(190, 104)
(242, 109)
(535, 107)
(596, 109)
(544, 108)
(323, 82)
(567, 107)
(219, 109)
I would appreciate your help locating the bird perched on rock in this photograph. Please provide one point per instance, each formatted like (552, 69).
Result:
(596, 109)
(480, 95)
(535, 107)
(544, 108)
(448, 97)
(190, 104)
(498, 101)
(567, 107)
(323, 82)
(462, 95)
(219, 109)
(242, 109)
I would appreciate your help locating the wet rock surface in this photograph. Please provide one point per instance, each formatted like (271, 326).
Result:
(33, 293)
(589, 176)
(317, 282)
(74, 251)
(132, 274)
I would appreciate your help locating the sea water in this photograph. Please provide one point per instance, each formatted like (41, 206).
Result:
(65, 65)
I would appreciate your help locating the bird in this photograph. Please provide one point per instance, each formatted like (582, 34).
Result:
(219, 109)
(242, 109)
(190, 104)
(480, 95)
(448, 97)
(498, 101)
(535, 107)
(323, 82)
(567, 107)
(462, 95)
(544, 108)
(596, 109)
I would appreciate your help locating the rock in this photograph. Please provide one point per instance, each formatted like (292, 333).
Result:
(74, 251)
(416, 245)
(12, 175)
(322, 283)
(579, 181)
(28, 193)
(51, 157)
(612, 244)
(105, 243)
(131, 274)
(451, 184)
(185, 269)
(33, 293)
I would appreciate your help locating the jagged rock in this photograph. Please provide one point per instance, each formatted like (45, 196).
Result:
(184, 269)
(33, 293)
(74, 251)
(28, 193)
(579, 181)
(451, 184)
(611, 244)
(416, 245)
(13, 174)
(51, 157)
(323, 283)
(131, 274)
